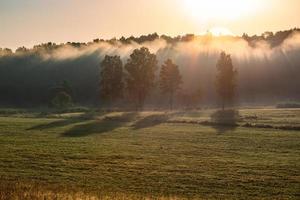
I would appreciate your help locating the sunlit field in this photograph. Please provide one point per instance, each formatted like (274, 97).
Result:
(253, 154)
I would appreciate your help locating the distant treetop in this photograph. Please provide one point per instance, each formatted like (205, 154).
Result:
(274, 39)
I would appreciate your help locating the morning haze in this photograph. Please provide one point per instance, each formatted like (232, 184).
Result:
(26, 23)
(138, 99)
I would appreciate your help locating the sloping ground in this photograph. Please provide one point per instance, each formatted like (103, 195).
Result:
(139, 155)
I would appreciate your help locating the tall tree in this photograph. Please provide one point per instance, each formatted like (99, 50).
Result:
(141, 67)
(111, 79)
(226, 79)
(170, 80)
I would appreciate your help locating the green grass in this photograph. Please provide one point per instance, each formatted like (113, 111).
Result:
(140, 154)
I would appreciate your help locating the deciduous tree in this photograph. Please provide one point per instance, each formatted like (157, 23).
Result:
(141, 67)
(226, 79)
(111, 79)
(170, 80)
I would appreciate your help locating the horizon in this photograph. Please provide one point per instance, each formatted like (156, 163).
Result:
(33, 22)
(137, 36)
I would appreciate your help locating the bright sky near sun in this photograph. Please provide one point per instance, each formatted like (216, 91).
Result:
(29, 22)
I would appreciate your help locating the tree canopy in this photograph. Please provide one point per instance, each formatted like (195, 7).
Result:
(226, 79)
(170, 80)
(141, 68)
(111, 79)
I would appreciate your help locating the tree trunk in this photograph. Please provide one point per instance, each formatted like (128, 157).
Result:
(171, 101)
(223, 104)
(141, 100)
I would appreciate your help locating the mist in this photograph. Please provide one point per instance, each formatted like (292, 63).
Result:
(267, 73)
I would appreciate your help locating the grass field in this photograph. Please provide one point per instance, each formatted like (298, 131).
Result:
(127, 155)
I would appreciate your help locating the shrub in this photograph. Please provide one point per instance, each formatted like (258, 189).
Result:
(62, 100)
(225, 117)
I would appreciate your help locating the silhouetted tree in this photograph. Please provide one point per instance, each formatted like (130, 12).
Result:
(141, 67)
(5, 51)
(111, 79)
(139, 40)
(226, 79)
(21, 50)
(170, 80)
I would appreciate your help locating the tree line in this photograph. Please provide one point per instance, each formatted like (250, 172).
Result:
(136, 79)
(274, 39)
(32, 77)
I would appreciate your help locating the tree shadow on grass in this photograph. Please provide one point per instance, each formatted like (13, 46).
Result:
(55, 124)
(100, 126)
(66, 121)
(225, 120)
(150, 121)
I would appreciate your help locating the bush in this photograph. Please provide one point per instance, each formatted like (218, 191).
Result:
(225, 117)
(62, 100)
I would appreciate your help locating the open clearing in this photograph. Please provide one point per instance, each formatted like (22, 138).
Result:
(153, 154)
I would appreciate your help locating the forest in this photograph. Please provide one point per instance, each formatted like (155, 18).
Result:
(267, 65)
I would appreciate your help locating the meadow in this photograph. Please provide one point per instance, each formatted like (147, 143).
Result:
(90, 154)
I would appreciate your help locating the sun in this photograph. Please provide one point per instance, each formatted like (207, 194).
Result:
(220, 10)
(220, 31)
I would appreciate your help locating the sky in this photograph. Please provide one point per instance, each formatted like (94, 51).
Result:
(30, 22)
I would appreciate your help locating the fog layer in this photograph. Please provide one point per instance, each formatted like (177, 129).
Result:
(267, 73)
